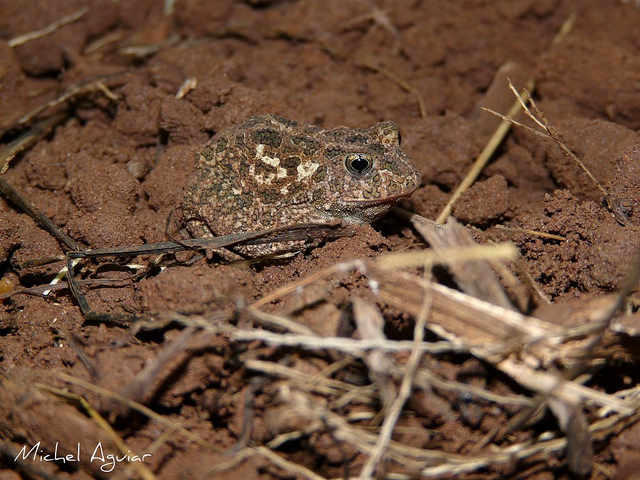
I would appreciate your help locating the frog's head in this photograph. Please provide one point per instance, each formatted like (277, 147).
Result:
(367, 173)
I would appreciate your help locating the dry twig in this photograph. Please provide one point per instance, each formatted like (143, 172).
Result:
(500, 132)
(27, 37)
(549, 132)
(484, 157)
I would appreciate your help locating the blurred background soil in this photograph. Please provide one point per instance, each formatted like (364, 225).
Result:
(158, 79)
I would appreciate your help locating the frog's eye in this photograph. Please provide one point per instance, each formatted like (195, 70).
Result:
(358, 164)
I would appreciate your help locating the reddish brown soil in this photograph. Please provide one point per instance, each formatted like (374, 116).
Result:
(109, 175)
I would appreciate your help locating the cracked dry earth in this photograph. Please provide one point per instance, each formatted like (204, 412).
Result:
(153, 81)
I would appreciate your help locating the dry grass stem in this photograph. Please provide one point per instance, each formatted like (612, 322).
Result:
(360, 438)
(502, 130)
(143, 51)
(27, 37)
(14, 197)
(28, 139)
(484, 157)
(278, 321)
(341, 344)
(425, 380)
(74, 91)
(548, 131)
(81, 403)
(286, 465)
(102, 42)
(335, 270)
(325, 386)
(147, 412)
(140, 387)
(449, 256)
(534, 233)
(405, 85)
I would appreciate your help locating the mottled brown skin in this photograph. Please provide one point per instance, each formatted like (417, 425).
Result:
(271, 172)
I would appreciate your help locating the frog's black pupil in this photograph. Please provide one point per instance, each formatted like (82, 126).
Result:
(359, 164)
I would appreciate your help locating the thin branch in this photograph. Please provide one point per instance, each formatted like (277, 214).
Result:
(27, 37)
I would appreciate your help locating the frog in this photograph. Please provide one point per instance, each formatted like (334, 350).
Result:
(270, 171)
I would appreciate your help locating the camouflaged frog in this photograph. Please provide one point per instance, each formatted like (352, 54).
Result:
(271, 172)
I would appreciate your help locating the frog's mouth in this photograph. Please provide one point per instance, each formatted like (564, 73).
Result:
(364, 210)
(366, 202)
